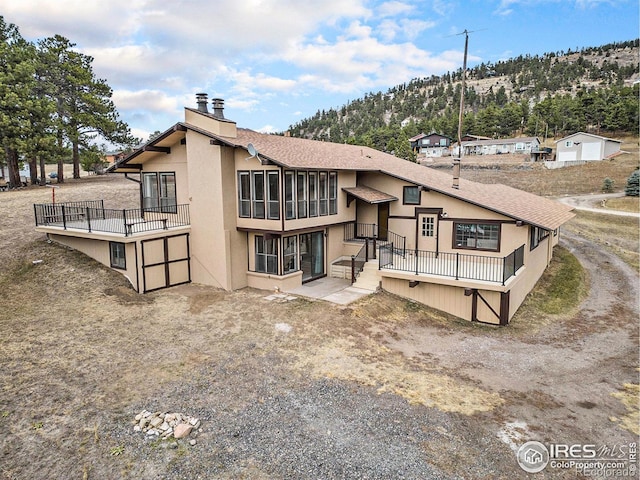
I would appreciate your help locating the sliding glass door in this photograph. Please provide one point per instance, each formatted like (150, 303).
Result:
(312, 255)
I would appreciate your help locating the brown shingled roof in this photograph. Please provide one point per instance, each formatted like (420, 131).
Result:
(301, 153)
(369, 195)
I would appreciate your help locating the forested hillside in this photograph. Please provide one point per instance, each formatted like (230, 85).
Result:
(594, 89)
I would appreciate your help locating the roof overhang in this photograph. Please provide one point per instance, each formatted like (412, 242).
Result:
(368, 195)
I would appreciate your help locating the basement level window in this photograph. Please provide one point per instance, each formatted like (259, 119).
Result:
(118, 255)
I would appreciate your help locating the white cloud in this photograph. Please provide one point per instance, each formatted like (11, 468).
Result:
(394, 8)
(149, 100)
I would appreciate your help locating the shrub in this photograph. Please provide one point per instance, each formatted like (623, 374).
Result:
(607, 185)
(633, 184)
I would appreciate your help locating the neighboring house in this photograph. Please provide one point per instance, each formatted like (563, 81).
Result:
(585, 147)
(520, 145)
(233, 208)
(472, 138)
(431, 145)
(113, 157)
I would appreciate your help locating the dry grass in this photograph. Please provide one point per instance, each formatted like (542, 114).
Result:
(624, 204)
(629, 397)
(619, 235)
(581, 179)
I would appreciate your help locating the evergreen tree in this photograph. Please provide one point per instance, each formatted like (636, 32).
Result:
(632, 188)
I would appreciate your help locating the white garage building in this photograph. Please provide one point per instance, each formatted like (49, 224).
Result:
(585, 147)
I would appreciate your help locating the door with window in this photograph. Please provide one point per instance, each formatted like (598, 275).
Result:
(427, 232)
(312, 255)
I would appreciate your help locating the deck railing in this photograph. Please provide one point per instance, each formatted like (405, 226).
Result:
(359, 232)
(93, 217)
(453, 265)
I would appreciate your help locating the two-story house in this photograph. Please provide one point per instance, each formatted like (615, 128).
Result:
(232, 208)
(431, 145)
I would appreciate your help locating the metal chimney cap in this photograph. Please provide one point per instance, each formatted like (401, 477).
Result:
(201, 99)
(218, 107)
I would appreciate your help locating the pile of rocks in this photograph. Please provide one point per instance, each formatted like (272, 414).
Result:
(166, 425)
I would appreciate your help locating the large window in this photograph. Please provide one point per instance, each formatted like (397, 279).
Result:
(480, 236)
(244, 194)
(117, 255)
(305, 194)
(159, 191)
(266, 255)
(411, 196)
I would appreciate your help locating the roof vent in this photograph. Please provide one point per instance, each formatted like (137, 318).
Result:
(201, 99)
(218, 107)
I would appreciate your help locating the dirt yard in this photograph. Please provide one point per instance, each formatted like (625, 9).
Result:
(382, 388)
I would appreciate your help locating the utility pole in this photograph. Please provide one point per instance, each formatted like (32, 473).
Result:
(456, 161)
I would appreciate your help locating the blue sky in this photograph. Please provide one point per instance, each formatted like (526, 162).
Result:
(275, 62)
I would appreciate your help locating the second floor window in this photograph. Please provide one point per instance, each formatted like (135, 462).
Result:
(289, 195)
(244, 194)
(273, 195)
(323, 189)
(257, 194)
(411, 195)
(159, 192)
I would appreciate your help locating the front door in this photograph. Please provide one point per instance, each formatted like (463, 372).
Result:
(383, 220)
(427, 231)
(312, 255)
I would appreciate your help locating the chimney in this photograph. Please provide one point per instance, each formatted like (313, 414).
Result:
(218, 107)
(201, 99)
(456, 173)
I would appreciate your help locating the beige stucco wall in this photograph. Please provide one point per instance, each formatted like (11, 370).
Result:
(99, 251)
(345, 179)
(176, 161)
(405, 221)
(442, 297)
(536, 262)
(218, 250)
(225, 128)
